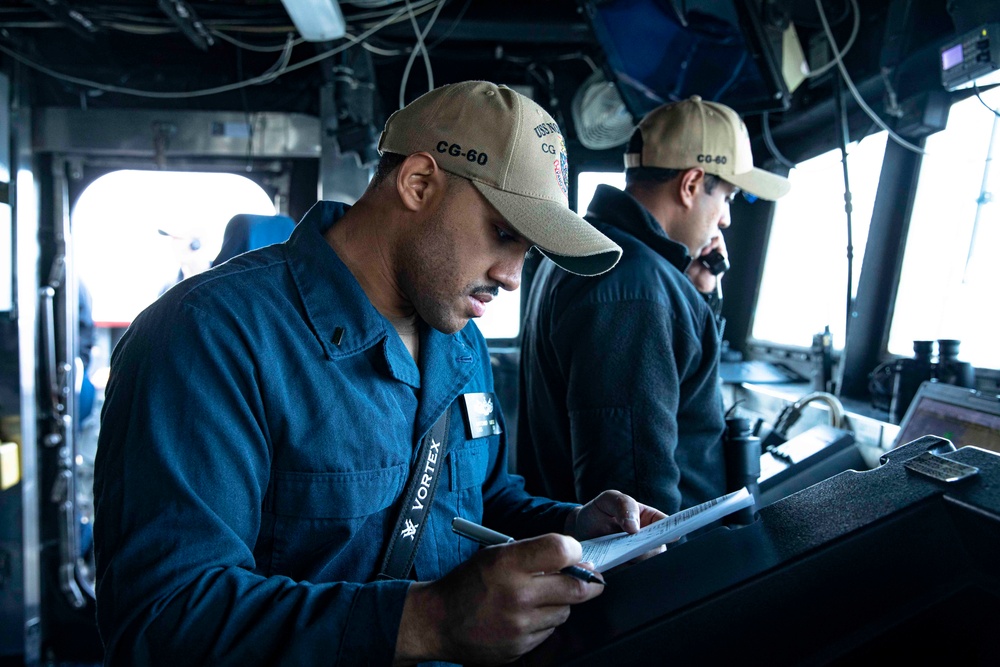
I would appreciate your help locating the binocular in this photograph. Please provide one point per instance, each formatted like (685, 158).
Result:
(910, 373)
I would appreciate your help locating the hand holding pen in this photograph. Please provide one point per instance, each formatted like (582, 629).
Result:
(493, 607)
(487, 537)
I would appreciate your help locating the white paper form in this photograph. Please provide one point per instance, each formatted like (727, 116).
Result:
(611, 550)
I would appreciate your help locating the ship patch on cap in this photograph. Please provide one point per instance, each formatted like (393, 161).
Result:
(561, 167)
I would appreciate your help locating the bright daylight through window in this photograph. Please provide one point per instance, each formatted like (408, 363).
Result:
(948, 284)
(503, 316)
(138, 232)
(804, 286)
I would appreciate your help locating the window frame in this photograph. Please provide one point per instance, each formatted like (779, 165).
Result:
(192, 172)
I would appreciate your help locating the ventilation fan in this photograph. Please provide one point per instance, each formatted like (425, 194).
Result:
(600, 116)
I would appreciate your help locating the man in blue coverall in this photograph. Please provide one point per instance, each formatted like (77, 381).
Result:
(263, 418)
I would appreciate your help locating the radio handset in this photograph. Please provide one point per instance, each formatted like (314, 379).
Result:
(715, 262)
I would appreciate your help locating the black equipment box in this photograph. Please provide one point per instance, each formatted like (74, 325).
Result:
(810, 457)
(975, 56)
(892, 564)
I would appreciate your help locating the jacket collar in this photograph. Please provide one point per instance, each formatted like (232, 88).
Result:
(619, 209)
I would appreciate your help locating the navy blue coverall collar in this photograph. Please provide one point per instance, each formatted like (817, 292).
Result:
(346, 322)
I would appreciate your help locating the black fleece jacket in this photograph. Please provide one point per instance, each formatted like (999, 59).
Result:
(619, 384)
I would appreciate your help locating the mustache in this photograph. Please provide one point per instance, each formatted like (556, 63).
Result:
(492, 290)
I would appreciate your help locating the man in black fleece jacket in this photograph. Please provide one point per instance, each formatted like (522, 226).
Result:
(619, 384)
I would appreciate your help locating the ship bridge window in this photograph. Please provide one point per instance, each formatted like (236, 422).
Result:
(803, 288)
(136, 233)
(502, 319)
(948, 283)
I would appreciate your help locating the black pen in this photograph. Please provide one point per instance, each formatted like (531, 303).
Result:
(487, 537)
(583, 574)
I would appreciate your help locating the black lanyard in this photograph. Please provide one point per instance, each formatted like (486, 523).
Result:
(416, 502)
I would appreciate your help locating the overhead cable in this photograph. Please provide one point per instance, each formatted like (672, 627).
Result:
(278, 69)
(833, 46)
(854, 91)
(419, 48)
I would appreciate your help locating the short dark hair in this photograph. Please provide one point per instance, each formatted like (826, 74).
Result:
(657, 175)
(386, 165)
(389, 162)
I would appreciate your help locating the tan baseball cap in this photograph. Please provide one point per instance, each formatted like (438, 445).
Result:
(514, 153)
(696, 133)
